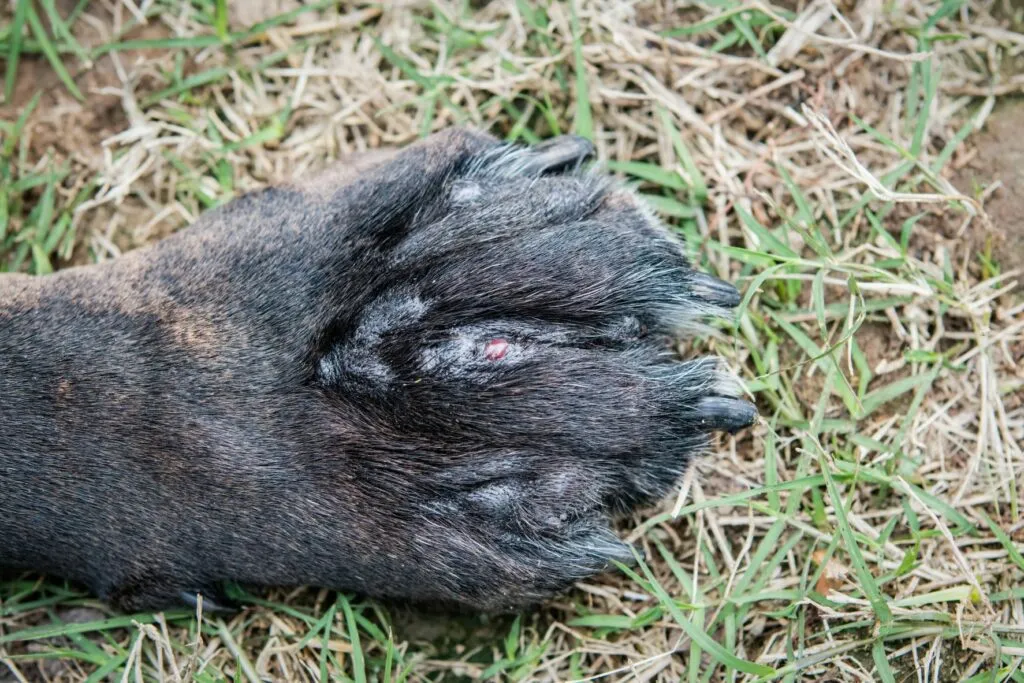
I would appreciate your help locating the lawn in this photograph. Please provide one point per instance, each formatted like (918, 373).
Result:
(851, 166)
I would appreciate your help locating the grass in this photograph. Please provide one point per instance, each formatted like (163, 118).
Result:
(868, 529)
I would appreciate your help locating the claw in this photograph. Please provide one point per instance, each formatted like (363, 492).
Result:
(559, 154)
(627, 554)
(213, 601)
(605, 548)
(717, 292)
(726, 414)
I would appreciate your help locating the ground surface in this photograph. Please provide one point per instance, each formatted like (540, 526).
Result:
(856, 169)
(1000, 158)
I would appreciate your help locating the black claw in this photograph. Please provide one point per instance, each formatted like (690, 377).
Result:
(626, 554)
(718, 292)
(560, 154)
(726, 414)
(213, 601)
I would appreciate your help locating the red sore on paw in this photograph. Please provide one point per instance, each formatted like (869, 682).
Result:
(495, 349)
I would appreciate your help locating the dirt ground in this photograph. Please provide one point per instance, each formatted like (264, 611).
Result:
(1000, 160)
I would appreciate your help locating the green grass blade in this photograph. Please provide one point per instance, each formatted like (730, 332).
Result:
(57, 630)
(697, 184)
(650, 172)
(220, 20)
(667, 206)
(60, 28)
(583, 124)
(358, 657)
(193, 81)
(699, 635)
(864, 577)
(51, 53)
(1004, 539)
(19, 125)
(879, 397)
(325, 642)
(766, 239)
(823, 359)
(21, 10)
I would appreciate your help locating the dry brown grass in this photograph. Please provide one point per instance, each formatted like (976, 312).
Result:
(868, 529)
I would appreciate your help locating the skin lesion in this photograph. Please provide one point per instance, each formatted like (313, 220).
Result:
(496, 349)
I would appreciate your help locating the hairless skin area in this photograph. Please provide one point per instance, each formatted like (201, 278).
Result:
(432, 375)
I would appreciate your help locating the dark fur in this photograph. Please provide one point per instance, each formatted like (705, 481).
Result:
(294, 390)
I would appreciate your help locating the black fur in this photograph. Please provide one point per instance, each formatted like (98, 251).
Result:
(432, 376)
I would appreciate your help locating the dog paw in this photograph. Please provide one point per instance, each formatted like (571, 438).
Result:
(432, 375)
(515, 355)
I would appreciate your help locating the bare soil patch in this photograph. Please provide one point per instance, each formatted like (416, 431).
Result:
(996, 173)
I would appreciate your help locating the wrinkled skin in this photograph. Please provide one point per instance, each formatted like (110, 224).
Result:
(431, 375)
